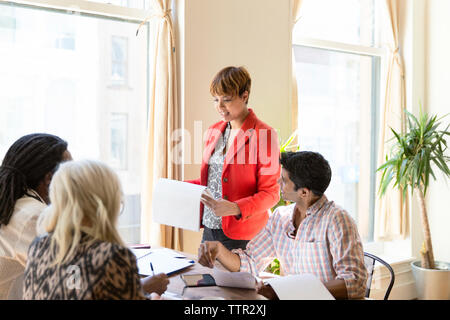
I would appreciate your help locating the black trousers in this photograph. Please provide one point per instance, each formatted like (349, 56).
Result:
(218, 235)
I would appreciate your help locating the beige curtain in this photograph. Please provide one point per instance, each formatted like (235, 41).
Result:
(163, 119)
(391, 212)
(296, 5)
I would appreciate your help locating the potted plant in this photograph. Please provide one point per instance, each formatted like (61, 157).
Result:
(274, 266)
(287, 146)
(413, 156)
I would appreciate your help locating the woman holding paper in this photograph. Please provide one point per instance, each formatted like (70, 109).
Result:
(240, 165)
(83, 255)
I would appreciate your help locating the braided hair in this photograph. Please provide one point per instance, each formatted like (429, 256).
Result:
(25, 165)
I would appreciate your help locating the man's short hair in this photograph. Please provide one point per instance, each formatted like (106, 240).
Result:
(307, 169)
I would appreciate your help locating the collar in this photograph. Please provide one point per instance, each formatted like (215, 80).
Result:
(316, 206)
(291, 233)
(250, 121)
(33, 194)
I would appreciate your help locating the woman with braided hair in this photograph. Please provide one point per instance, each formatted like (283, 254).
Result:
(25, 175)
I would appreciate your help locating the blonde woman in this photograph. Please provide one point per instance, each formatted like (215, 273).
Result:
(83, 255)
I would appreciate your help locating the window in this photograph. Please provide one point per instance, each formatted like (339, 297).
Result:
(338, 63)
(55, 78)
(119, 134)
(7, 25)
(119, 59)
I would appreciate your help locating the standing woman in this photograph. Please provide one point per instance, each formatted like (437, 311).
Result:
(240, 165)
(25, 175)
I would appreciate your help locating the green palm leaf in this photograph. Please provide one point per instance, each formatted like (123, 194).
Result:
(413, 154)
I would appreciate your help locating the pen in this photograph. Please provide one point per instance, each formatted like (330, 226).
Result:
(151, 267)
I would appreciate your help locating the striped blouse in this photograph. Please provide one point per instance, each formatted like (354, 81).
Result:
(327, 244)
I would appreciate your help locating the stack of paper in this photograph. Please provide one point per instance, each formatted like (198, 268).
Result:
(299, 287)
(234, 279)
(141, 252)
(162, 260)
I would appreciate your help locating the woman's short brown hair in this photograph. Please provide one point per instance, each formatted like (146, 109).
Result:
(233, 81)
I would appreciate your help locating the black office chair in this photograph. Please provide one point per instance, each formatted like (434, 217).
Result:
(369, 261)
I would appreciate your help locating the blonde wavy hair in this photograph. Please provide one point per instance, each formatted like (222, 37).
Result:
(86, 196)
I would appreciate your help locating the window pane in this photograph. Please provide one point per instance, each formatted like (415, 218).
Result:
(348, 21)
(119, 59)
(56, 78)
(336, 114)
(119, 135)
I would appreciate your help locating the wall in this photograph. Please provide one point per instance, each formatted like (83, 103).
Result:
(425, 48)
(214, 34)
(426, 51)
(437, 75)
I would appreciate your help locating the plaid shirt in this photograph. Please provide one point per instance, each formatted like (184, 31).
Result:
(327, 245)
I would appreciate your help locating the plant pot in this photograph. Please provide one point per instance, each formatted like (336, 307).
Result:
(432, 284)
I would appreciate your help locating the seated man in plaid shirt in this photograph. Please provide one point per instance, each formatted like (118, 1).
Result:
(312, 235)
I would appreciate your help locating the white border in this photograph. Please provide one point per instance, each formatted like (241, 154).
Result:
(339, 46)
(88, 7)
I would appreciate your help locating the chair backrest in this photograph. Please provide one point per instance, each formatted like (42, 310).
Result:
(369, 261)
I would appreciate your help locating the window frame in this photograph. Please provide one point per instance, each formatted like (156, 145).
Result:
(88, 7)
(99, 11)
(379, 77)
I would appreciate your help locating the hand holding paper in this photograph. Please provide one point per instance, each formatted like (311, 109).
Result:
(220, 207)
(177, 204)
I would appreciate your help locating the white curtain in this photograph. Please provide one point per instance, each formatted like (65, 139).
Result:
(163, 119)
(391, 212)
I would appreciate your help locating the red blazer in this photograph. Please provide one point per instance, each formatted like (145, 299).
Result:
(249, 176)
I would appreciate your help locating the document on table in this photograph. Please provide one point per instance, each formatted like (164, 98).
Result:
(177, 204)
(168, 252)
(162, 260)
(299, 287)
(234, 279)
(141, 252)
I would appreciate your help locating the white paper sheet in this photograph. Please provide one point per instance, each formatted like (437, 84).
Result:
(299, 287)
(234, 279)
(162, 263)
(177, 204)
(143, 252)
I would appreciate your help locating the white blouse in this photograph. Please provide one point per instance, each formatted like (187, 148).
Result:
(15, 238)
